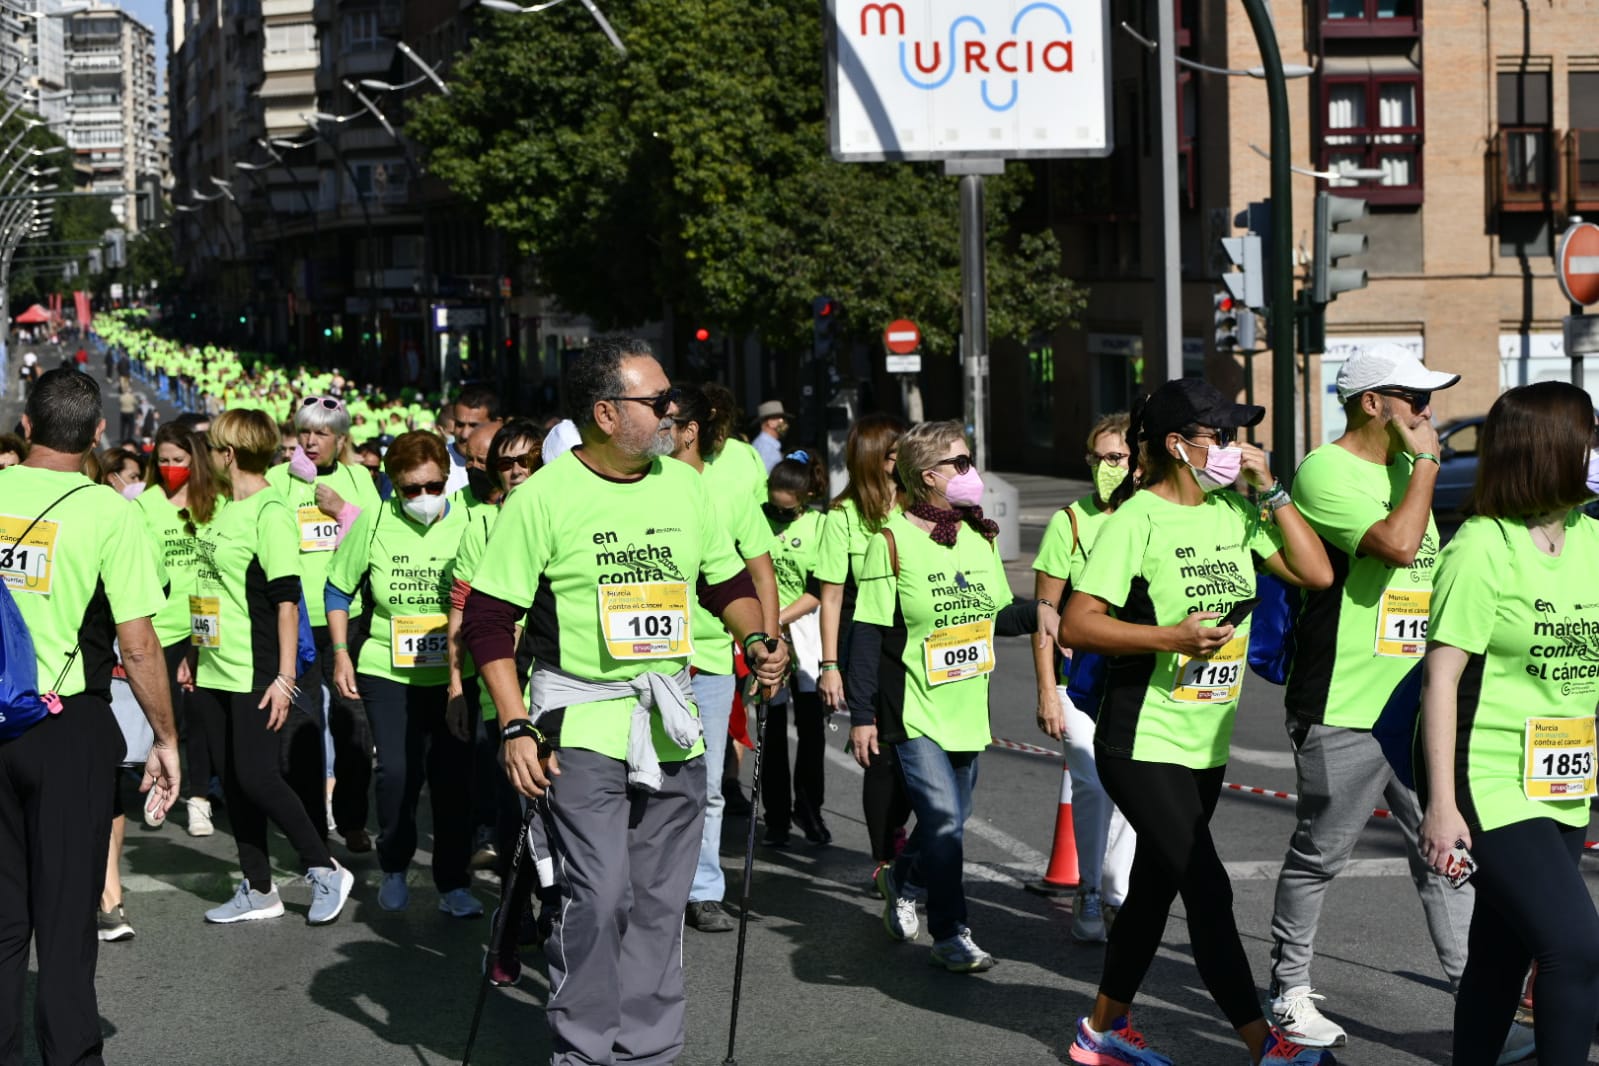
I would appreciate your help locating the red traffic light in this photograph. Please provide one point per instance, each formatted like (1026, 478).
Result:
(825, 309)
(702, 334)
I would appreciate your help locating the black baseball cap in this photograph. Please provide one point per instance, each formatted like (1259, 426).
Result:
(1193, 402)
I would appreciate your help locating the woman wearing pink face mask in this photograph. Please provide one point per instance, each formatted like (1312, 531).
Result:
(1168, 569)
(931, 589)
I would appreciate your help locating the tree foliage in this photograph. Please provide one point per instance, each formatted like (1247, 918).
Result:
(694, 173)
(73, 219)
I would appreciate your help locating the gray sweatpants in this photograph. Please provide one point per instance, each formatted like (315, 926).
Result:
(624, 861)
(1342, 775)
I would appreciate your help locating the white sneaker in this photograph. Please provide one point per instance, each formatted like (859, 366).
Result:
(899, 911)
(1302, 1022)
(199, 824)
(247, 905)
(1088, 916)
(1520, 1044)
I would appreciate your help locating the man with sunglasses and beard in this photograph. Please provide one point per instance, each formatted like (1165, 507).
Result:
(610, 545)
(1368, 495)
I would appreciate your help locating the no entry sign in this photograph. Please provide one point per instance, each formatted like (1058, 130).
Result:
(1579, 263)
(902, 337)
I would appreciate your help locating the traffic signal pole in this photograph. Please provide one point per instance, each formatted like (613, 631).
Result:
(1281, 328)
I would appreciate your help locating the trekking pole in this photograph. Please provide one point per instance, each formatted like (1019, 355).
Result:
(508, 905)
(759, 699)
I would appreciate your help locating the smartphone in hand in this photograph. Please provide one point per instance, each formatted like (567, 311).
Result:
(1239, 612)
(1460, 865)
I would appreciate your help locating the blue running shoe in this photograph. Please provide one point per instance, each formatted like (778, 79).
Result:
(1121, 1045)
(1280, 1051)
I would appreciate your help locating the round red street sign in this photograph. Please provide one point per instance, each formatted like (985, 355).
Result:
(902, 337)
(1579, 263)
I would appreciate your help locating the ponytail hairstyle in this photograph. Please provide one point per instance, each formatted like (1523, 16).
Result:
(722, 418)
(797, 473)
(694, 404)
(874, 493)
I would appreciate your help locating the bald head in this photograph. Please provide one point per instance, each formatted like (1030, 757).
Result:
(476, 451)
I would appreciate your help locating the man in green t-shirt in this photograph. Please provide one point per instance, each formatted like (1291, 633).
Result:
(610, 545)
(83, 575)
(1368, 495)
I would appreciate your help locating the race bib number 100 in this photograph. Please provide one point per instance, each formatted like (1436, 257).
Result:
(1402, 622)
(959, 652)
(419, 640)
(1217, 679)
(26, 567)
(318, 532)
(646, 621)
(1560, 759)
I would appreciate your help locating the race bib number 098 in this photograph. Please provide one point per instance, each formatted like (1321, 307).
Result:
(1560, 763)
(958, 652)
(419, 640)
(646, 621)
(26, 567)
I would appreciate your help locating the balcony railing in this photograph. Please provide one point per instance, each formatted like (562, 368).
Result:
(1525, 166)
(1582, 169)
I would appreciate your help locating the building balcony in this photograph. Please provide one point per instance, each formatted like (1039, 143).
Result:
(278, 62)
(269, 8)
(1524, 168)
(371, 62)
(95, 63)
(1582, 170)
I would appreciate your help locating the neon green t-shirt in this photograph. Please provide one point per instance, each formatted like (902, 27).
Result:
(1355, 641)
(1156, 562)
(726, 481)
(1057, 556)
(742, 464)
(178, 555)
(843, 550)
(411, 568)
(610, 570)
(794, 549)
(938, 648)
(85, 568)
(316, 534)
(1530, 624)
(248, 544)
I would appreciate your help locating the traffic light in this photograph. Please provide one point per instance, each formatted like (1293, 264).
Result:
(824, 327)
(1235, 323)
(1248, 284)
(1326, 280)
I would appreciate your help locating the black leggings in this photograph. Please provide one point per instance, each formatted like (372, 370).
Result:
(1170, 808)
(1532, 904)
(204, 735)
(256, 789)
(810, 723)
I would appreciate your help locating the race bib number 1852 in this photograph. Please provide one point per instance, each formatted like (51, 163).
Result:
(419, 640)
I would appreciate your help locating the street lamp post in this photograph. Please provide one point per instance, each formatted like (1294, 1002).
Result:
(369, 319)
(511, 8)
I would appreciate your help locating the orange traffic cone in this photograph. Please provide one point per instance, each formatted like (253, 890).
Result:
(1061, 877)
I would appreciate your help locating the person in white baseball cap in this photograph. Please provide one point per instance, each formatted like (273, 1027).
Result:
(1368, 495)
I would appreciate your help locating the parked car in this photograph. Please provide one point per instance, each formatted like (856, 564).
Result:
(1457, 466)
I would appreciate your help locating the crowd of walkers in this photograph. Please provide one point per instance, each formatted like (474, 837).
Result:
(555, 630)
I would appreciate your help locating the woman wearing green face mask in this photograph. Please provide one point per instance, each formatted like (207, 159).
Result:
(1104, 840)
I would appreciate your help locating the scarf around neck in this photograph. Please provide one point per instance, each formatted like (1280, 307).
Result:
(947, 522)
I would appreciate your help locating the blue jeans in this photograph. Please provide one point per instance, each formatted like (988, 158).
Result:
(940, 785)
(714, 694)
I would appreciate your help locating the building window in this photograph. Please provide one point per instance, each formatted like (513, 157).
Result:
(289, 38)
(1374, 122)
(1582, 141)
(361, 31)
(1370, 18)
(1526, 167)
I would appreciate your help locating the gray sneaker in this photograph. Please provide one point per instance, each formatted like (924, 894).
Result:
(330, 887)
(112, 925)
(960, 954)
(247, 905)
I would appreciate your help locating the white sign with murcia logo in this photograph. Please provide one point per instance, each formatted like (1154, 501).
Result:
(952, 79)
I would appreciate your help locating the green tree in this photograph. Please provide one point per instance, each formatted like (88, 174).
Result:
(74, 219)
(152, 262)
(694, 173)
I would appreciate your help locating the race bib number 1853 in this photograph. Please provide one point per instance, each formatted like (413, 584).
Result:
(1560, 759)
(646, 621)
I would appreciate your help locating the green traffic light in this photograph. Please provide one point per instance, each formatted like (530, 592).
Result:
(242, 320)
(327, 331)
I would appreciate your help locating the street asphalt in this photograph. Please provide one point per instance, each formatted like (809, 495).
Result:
(823, 982)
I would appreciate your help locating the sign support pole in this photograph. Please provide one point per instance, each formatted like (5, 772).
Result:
(974, 298)
(1169, 278)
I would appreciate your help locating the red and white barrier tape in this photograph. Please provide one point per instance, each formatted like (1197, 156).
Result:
(1024, 748)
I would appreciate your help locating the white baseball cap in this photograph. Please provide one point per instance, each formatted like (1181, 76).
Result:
(1388, 366)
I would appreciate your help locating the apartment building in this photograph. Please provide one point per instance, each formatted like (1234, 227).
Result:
(115, 117)
(1484, 122)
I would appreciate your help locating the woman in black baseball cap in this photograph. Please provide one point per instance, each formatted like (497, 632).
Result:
(1165, 597)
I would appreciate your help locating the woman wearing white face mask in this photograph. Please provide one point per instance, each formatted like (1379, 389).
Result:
(1179, 553)
(922, 647)
(401, 557)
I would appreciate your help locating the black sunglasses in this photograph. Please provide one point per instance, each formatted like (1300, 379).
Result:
(411, 492)
(961, 463)
(659, 405)
(526, 461)
(1414, 397)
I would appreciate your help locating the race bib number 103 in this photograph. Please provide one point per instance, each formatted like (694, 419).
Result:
(646, 621)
